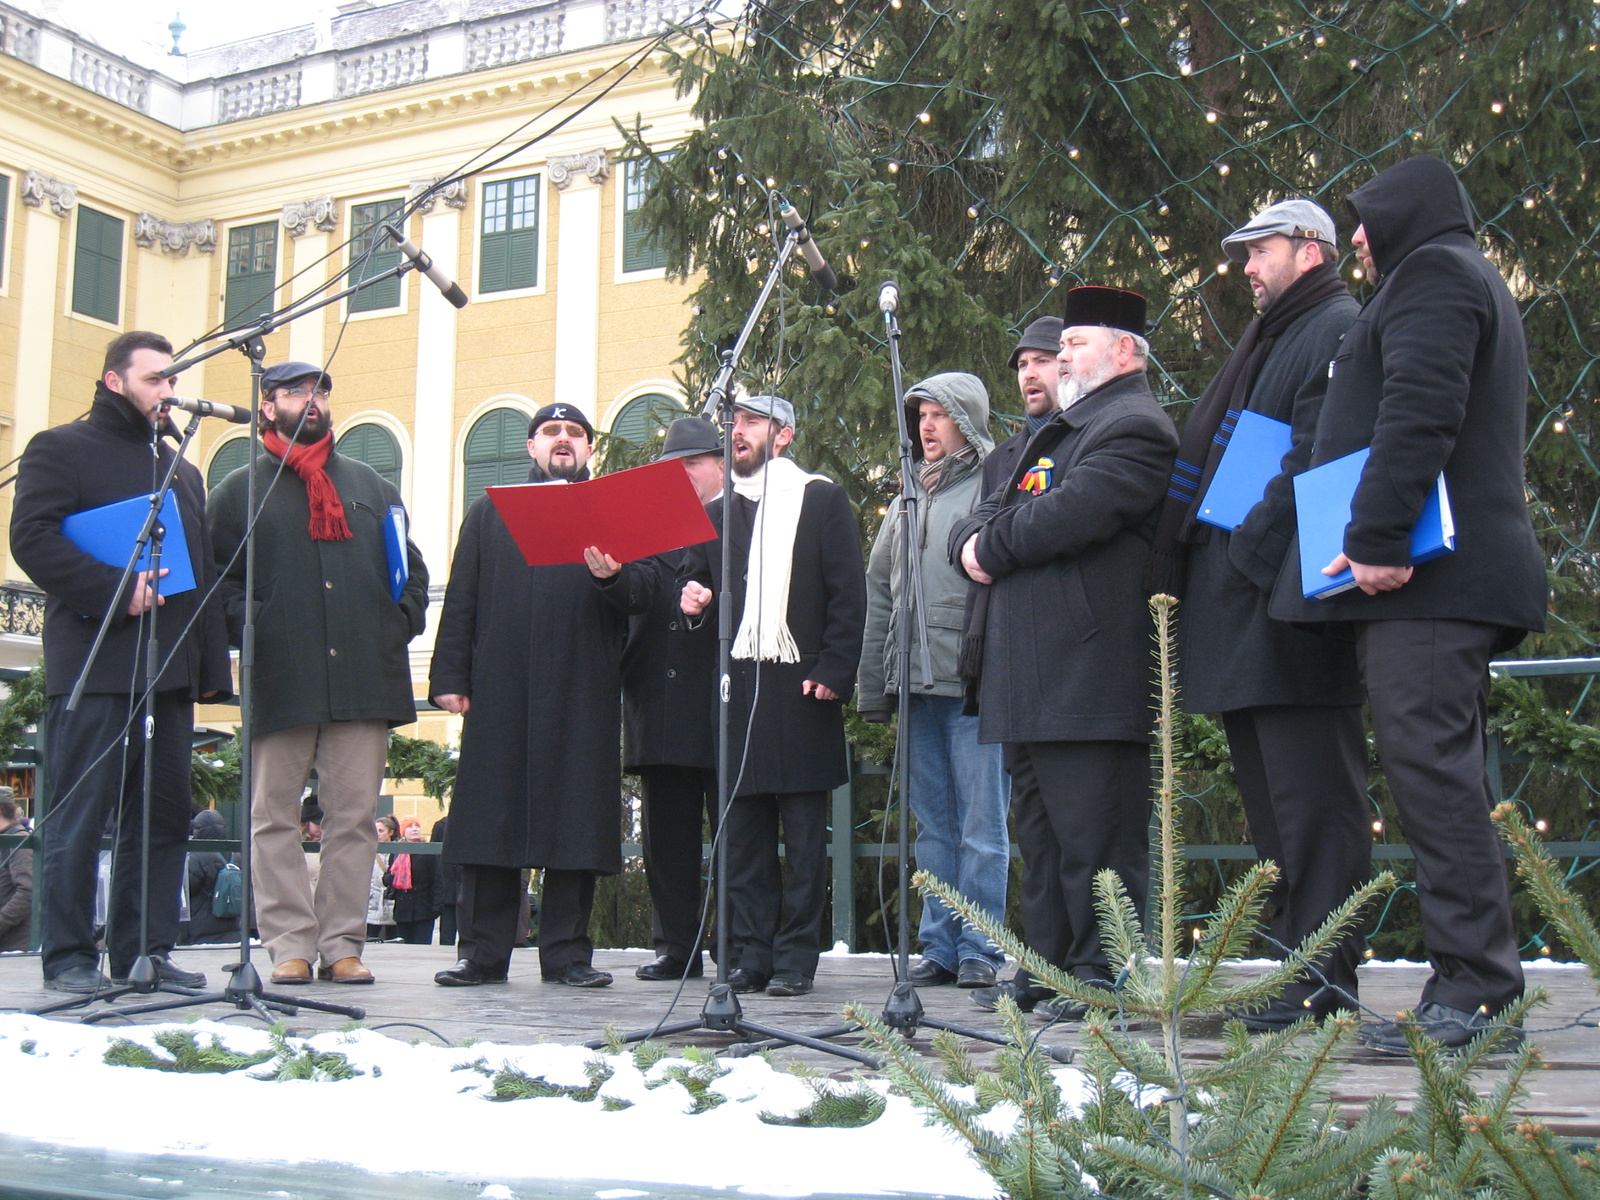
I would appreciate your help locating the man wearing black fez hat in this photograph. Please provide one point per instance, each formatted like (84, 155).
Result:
(531, 658)
(1065, 680)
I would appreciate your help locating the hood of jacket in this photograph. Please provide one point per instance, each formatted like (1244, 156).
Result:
(961, 395)
(1408, 205)
(208, 825)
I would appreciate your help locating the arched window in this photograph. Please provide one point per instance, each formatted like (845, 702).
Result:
(643, 417)
(496, 452)
(374, 445)
(230, 456)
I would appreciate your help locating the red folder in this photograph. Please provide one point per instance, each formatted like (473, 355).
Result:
(630, 515)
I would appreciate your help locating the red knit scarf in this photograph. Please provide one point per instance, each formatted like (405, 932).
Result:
(400, 872)
(308, 462)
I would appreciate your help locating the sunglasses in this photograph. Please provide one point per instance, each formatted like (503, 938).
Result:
(552, 429)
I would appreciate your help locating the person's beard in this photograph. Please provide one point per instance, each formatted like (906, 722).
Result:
(746, 467)
(291, 429)
(566, 468)
(1074, 387)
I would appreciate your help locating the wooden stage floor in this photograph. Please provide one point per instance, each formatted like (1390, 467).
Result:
(1566, 1095)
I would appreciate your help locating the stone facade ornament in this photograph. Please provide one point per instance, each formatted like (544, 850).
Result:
(175, 237)
(595, 164)
(37, 187)
(300, 215)
(454, 194)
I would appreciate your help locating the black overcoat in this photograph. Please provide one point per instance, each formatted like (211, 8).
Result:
(796, 741)
(330, 639)
(538, 651)
(669, 678)
(1067, 642)
(1433, 376)
(1231, 653)
(87, 464)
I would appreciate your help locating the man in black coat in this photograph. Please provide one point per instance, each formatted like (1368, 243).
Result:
(332, 673)
(799, 607)
(669, 739)
(1290, 699)
(1037, 365)
(1433, 377)
(114, 455)
(532, 657)
(1066, 683)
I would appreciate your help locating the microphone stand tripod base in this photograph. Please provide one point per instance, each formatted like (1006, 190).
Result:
(244, 992)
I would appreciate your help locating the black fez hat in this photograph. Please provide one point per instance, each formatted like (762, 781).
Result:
(1044, 333)
(688, 436)
(1111, 307)
(560, 412)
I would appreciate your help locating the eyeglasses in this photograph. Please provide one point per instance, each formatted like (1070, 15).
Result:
(552, 429)
(306, 390)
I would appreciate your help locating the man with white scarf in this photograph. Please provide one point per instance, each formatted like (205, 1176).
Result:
(796, 554)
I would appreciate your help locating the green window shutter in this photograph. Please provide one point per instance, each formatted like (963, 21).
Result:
(5, 228)
(97, 266)
(639, 252)
(508, 244)
(496, 452)
(252, 272)
(641, 417)
(366, 222)
(375, 446)
(230, 456)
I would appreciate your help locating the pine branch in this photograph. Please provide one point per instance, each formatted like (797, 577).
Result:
(1555, 899)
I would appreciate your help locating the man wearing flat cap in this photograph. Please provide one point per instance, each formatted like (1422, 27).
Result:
(531, 657)
(332, 672)
(799, 603)
(1289, 698)
(1066, 685)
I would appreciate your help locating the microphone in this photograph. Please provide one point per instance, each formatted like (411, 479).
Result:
(820, 270)
(207, 408)
(426, 265)
(889, 297)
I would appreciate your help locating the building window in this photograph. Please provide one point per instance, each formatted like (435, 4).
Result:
(230, 456)
(639, 253)
(5, 228)
(508, 250)
(252, 272)
(370, 246)
(376, 446)
(97, 266)
(496, 452)
(642, 417)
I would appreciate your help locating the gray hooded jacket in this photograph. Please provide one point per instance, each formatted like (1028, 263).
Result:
(944, 588)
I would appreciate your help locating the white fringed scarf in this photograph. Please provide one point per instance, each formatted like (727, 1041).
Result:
(779, 490)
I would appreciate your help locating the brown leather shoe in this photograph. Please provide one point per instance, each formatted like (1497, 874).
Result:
(291, 971)
(346, 970)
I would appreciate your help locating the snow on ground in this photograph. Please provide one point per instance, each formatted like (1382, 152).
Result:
(61, 1091)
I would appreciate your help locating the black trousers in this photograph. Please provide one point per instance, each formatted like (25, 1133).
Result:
(1302, 775)
(86, 795)
(1428, 687)
(775, 915)
(674, 800)
(1077, 808)
(486, 915)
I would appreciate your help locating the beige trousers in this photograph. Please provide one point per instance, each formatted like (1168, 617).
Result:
(349, 758)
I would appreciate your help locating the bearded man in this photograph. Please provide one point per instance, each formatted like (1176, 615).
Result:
(332, 674)
(1066, 685)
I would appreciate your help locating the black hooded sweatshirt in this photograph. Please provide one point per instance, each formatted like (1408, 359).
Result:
(1432, 376)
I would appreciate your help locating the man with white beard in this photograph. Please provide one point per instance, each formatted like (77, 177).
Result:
(1066, 685)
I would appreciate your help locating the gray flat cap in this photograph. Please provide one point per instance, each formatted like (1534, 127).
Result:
(1292, 218)
(776, 407)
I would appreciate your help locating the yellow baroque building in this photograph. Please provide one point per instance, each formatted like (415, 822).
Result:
(130, 199)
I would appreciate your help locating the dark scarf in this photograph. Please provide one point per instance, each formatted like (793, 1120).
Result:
(950, 468)
(1210, 425)
(309, 461)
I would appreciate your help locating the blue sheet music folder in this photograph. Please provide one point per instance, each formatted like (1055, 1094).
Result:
(108, 533)
(394, 538)
(1253, 457)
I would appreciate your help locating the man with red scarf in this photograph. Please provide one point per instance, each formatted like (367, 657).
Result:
(332, 674)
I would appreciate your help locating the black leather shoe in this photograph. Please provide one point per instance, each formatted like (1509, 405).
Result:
(975, 973)
(1452, 1028)
(1064, 1008)
(788, 983)
(988, 998)
(578, 975)
(467, 973)
(742, 980)
(665, 967)
(170, 972)
(84, 980)
(928, 973)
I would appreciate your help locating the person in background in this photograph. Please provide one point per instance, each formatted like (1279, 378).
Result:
(447, 887)
(204, 866)
(16, 880)
(380, 906)
(410, 881)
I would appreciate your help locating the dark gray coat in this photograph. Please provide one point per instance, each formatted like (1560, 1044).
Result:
(669, 673)
(1068, 638)
(1231, 653)
(1433, 375)
(330, 640)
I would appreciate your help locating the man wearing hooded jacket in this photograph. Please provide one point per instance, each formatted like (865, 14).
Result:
(1432, 377)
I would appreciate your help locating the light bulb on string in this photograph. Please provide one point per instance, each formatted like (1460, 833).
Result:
(1070, 150)
(1224, 169)
(1377, 827)
(1186, 68)
(1497, 106)
(1541, 825)
(1055, 276)
(1211, 117)
(1122, 16)
(974, 209)
(894, 167)
(1358, 273)
(722, 153)
(865, 242)
(763, 229)
(1321, 39)
(1162, 207)
(740, 178)
(1531, 200)
(1222, 268)
(924, 116)
(1359, 66)
(771, 182)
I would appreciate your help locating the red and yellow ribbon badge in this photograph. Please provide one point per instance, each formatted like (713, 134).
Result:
(1037, 478)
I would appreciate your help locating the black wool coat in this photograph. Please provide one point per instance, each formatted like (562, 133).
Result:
(669, 673)
(330, 639)
(538, 651)
(1433, 376)
(1067, 642)
(1231, 653)
(86, 464)
(419, 902)
(1002, 460)
(796, 742)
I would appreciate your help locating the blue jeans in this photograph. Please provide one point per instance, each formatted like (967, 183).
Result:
(958, 796)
